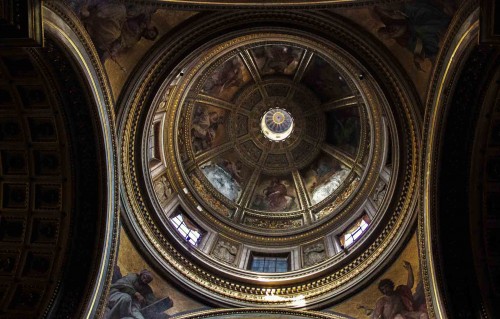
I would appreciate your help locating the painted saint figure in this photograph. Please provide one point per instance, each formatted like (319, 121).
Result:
(129, 294)
(280, 59)
(225, 77)
(204, 128)
(399, 303)
(233, 168)
(417, 27)
(275, 197)
(115, 27)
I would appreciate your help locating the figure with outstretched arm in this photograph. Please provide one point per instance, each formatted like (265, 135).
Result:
(396, 303)
(410, 280)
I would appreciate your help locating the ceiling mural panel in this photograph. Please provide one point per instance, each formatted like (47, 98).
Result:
(226, 79)
(412, 30)
(344, 129)
(322, 78)
(227, 174)
(323, 177)
(274, 194)
(208, 128)
(398, 292)
(122, 32)
(277, 59)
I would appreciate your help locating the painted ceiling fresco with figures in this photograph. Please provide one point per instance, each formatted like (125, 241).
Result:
(274, 128)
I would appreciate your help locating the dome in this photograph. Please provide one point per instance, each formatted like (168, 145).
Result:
(271, 160)
(273, 133)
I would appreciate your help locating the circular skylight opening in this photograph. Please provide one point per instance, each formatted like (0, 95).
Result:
(277, 124)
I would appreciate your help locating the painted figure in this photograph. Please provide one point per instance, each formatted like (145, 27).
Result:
(233, 168)
(225, 177)
(129, 294)
(224, 77)
(328, 176)
(280, 59)
(204, 128)
(417, 26)
(115, 27)
(399, 302)
(275, 197)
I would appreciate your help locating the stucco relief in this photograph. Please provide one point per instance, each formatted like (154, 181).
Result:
(314, 254)
(163, 190)
(225, 251)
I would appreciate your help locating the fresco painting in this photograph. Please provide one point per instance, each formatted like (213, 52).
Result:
(277, 59)
(227, 79)
(323, 177)
(327, 83)
(208, 127)
(397, 294)
(344, 129)
(411, 30)
(416, 26)
(275, 194)
(139, 292)
(123, 32)
(116, 27)
(227, 174)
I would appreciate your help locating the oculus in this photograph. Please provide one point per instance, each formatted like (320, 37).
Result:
(277, 124)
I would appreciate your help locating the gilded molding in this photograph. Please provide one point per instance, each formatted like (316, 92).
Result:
(461, 35)
(66, 28)
(262, 311)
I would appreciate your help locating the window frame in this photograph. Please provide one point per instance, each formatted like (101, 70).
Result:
(267, 257)
(354, 232)
(184, 230)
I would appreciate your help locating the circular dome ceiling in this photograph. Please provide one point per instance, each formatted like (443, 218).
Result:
(273, 146)
(272, 132)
